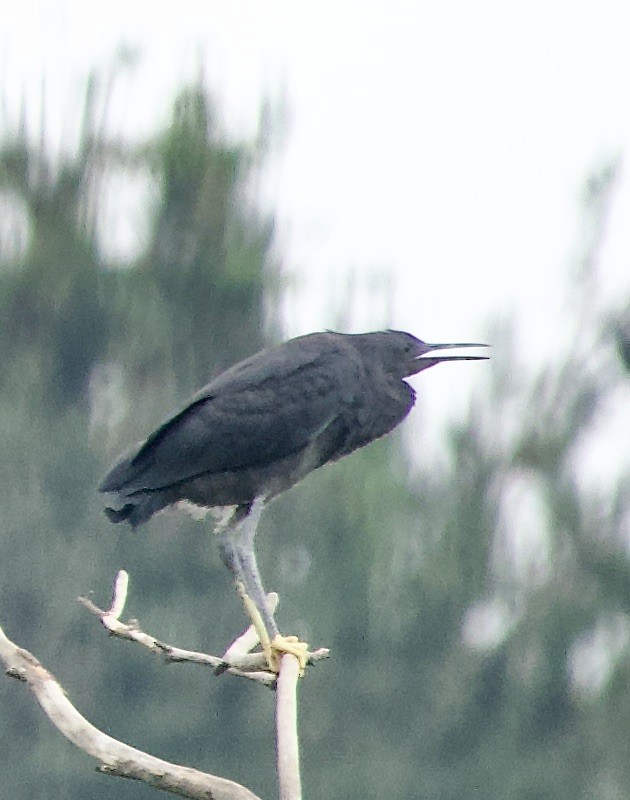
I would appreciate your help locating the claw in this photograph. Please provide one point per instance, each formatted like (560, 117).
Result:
(287, 644)
(273, 650)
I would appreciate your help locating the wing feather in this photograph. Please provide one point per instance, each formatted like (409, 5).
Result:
(259, 412)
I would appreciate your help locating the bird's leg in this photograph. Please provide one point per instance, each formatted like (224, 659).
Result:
(229, 556)
(272, 642)
(253, 584)
(241, 527)
(236, 544)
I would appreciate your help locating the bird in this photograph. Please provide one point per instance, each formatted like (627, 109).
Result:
(260, 427)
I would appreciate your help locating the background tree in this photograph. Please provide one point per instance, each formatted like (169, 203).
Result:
(460, 631)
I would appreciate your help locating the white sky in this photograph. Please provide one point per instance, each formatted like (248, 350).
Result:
(444, 144)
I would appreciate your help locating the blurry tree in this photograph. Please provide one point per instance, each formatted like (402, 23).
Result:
(86, 345)
(463, 602)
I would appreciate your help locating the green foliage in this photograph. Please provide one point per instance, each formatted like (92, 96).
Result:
(455, 635)
(84, 345)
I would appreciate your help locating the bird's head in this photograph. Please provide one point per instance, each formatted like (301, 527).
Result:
(403, 355)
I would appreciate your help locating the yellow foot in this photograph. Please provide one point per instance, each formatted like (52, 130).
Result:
(275, 649)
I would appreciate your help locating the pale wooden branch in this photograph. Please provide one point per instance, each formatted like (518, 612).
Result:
(287, 745)
(237, 659)
(119, 759)
(114, 757)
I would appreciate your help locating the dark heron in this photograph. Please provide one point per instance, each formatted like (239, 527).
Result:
(259, 428)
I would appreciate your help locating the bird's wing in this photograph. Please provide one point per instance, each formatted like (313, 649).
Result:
(243, 423)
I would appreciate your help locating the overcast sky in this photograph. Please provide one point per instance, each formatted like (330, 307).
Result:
(440, 145)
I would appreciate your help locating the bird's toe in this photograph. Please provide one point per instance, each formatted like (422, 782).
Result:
(291, 645)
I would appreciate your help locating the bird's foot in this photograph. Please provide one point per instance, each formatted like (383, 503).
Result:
(281, 645)
(274, 648)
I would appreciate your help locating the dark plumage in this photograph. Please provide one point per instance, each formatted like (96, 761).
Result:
(265, 423)
(268, 421)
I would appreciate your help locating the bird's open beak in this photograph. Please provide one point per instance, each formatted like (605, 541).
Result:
(423, 361)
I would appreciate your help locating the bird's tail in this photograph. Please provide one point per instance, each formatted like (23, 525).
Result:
(136, 508)
(120, 514)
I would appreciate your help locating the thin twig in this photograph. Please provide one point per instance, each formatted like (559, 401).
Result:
(237, 659)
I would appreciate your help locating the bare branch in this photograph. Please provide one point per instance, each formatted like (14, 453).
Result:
(237, 659)
(114, 757)
(288, 756)
(119, 594)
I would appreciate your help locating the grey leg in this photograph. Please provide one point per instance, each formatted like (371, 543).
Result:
(229, 556)
(254, 588)
(236, 545)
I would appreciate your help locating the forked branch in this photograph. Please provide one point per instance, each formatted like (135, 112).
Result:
(119, 759)
(237, 659)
